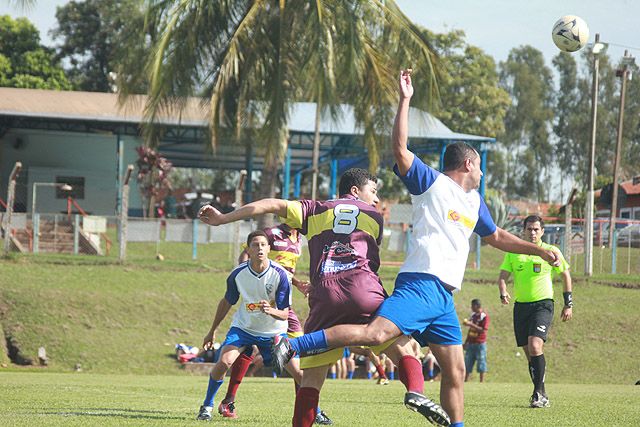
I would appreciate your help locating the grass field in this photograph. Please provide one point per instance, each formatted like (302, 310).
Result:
(121, 323)
(113, 400)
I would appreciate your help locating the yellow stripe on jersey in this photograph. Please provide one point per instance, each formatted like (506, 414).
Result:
(294, 215)
(332, 356)
(454, 216)
(284, 258)
(326, 221)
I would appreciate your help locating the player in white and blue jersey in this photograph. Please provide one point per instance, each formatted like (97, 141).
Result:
(447, 209)
(264, 288)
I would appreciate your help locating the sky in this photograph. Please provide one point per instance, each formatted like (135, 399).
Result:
(496, 26)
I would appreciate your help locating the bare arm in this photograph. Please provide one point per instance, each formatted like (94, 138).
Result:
(502, 286)
(243, 257)
(212, 216)
(274, 311)
(507, 242)
(567, 312)
(400, 133)
(223, 309)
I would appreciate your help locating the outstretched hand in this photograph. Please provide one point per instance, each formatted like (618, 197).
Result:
(210, 215)
(406, 88)
(552, 257)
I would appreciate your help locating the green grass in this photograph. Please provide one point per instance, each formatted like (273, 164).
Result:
(112, 400)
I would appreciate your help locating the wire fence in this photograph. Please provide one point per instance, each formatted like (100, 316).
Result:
(74, 232)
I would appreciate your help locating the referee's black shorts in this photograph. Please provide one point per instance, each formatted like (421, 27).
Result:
(532, 319)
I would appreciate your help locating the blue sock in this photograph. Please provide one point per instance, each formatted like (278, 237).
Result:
(350, 375)
(458, 424)
(369, 375)
(307, 342)
(318, 410)
(214, 385)
(273, 373)
(391, 375)
(332, 375)
(430, 373)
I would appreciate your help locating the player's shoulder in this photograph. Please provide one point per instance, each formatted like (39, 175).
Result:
(238, 269)
(550, 247)
(278, 268)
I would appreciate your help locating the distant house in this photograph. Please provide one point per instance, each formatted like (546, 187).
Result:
(523, 208)
(629, 200)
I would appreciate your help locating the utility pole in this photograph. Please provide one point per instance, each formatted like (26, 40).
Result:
(596, 49)
(625, 74)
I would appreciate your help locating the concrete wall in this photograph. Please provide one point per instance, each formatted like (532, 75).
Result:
(46, 155)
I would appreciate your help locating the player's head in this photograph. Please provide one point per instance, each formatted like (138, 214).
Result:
(361, 184)
(533, 228)
(461, 157)
(258, 245)
(476, 305)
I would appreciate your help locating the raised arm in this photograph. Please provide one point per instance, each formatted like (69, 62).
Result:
(507, 242)
(400, 134)
(212, 216)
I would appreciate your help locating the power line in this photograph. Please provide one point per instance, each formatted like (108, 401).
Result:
(625, 46)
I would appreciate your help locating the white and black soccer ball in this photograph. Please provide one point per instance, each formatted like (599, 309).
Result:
(570, 33)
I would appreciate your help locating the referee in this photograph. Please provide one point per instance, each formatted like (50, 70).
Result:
(533, 308)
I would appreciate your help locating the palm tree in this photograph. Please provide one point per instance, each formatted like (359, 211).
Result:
(236, 52)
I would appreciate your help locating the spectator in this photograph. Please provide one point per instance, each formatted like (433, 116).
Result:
(476, 343)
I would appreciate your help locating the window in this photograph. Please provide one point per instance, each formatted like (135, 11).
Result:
(77, 187)
(625, 213)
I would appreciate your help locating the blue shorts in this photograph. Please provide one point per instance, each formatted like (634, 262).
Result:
(240, 338)
(422, 307)
(476, 353)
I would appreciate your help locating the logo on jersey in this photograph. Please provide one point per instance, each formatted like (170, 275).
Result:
(537, 268)
(542, 328)
(338, 257)
(269, 287)
(280, 243)
(460, 220)
(255, 307)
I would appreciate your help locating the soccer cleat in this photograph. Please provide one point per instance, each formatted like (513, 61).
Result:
(205, 413)
(383, 381)
(227, 410)
(427, 408)
(539, 400)
(322, 419)
(281, 354)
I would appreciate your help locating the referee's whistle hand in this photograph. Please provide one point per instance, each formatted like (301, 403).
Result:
(552, 257)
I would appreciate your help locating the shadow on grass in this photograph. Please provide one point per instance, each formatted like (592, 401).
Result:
(115, 412)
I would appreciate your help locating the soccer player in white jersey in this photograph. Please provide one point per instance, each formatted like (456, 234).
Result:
(265, 289)
(447, 209)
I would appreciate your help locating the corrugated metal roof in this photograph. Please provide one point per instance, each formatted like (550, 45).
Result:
(95, 106)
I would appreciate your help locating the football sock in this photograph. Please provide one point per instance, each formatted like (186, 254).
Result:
(369, 375)
(391, 376)
(380, 371)
(430, 373)
(410, 374)
(350, 375)
(458, 424)
(306, 406)
(537, 367)
(307, 342)
(238, 371)
(332, 375)
(212, 389)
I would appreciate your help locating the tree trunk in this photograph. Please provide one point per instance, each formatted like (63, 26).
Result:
(269, 181)
(316, 153)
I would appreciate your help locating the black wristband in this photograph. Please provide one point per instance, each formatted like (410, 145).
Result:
(568, 299)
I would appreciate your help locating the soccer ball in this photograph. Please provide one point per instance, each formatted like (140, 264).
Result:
(570, 33)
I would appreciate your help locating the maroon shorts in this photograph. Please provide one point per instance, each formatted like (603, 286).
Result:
(293, 323)
(346, 299)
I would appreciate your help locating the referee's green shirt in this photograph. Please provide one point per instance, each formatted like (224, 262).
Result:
(532, 275)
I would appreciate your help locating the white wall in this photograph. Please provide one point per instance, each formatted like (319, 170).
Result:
(47, 154)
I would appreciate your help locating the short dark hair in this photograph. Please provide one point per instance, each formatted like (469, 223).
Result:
(476, 302)
(532, 218)
(254, 234)
(456, 154)
(355, 176)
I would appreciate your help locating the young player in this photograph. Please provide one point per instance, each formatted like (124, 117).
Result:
(285, 249)
(264, 287)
